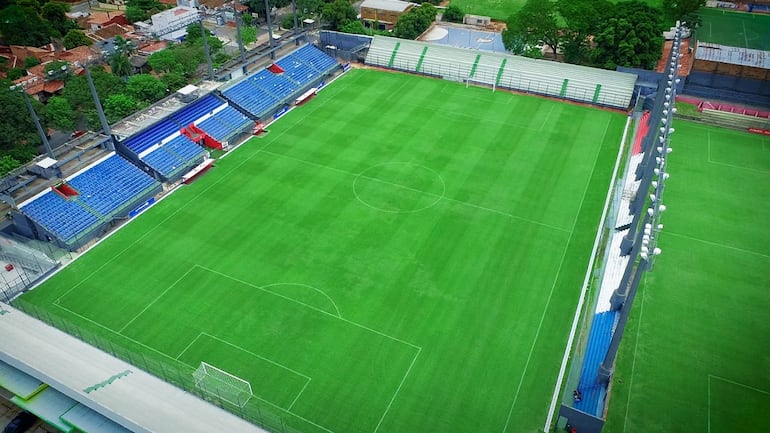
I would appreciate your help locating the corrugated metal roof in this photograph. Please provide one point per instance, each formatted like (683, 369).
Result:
(733, 55)
(386, 5)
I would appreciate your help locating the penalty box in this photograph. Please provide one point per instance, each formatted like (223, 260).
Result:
(294, 351)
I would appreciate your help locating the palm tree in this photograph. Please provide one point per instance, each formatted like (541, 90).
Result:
(119, 62)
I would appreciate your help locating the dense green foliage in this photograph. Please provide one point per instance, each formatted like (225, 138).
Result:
(536, 23)
(337, 14)
(24, 26)
(453, 14)
(76, 38)
(632, 37)
(54, 14)
(19, 139)
(59, 114)
(141, 10)
(628, 33)
(413, 23)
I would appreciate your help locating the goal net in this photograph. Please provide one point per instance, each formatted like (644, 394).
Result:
(489, 84)
(222, 384)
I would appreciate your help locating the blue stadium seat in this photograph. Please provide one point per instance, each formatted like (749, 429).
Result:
(152, 135)
(104, 189)
(178, 153)
(592, 391)
(196, 110)
(251, 98)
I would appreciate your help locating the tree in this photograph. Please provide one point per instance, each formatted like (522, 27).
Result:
(631, 37)
(21, 26)
(59, 113)
(19, 139)
(140, 10)
(146, 88)
(118, 106)
(30, 62)
(338, 13)
(76, 38)
(8, 164)
(163, 60)
(15, 73)
(582, 19)
(248, 35)
(413, 23)
(453, 14)
(683, 10)
(54, 13)
(134, 14)
(120, 65)
(535, 23)
(173, 81)
(78, 94)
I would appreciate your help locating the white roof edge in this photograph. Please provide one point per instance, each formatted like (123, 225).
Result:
(137, 400)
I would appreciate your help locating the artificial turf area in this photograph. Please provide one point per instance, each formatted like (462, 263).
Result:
(734, 29)
(401, 254)
(695, 355)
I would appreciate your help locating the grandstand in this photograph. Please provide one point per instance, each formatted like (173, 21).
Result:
(498, 70)
(72, 212)
(272, 89)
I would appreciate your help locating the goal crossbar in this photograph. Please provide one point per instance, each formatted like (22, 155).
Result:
(219, 383)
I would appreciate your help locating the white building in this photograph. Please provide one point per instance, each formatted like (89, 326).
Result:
(172, 24)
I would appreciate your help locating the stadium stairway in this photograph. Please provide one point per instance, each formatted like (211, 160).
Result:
(592, 391)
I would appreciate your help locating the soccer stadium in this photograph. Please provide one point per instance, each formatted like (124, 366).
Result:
(435, 239)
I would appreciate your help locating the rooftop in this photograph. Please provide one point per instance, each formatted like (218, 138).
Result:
(733, 55)
(387, 5)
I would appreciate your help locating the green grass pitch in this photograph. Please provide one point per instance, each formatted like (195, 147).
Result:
(503, 9)
(734, 29)
(401, 254)
(695, 354)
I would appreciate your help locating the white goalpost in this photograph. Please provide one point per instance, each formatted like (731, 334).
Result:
(222, 384)
(479, 83)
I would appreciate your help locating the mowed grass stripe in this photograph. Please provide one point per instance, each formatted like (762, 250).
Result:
(481, 289)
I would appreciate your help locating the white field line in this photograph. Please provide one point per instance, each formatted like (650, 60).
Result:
(716, 244)
(146, 307)
(636, 347)
(403, 379)
(584, 290)
(555, 280)
(712, 376)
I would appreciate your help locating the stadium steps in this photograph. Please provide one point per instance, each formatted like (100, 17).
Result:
(475, 66)
(393, 55)
(500, 72)
(564, 85)
(597, 92)
(422, 59)
(599, 338)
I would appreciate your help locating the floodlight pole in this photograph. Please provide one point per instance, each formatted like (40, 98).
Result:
(296, 29)
(240, 37)
(99, 109)
(209, 64)
(269, 28)
(38, 126)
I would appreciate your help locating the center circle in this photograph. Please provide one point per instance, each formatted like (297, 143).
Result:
(399, 187)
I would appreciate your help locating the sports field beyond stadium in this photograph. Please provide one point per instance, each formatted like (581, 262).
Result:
(401, 254)
(503, 9)
(696, 353)
(734, 29)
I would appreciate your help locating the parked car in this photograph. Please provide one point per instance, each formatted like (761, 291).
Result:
(21, 423)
